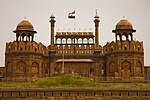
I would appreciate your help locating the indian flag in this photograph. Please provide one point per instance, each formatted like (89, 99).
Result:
(71, 15)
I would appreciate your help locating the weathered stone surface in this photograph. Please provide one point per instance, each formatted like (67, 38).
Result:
(23, 94)
(48, 93)
(124, 94)
(74, 94)
(40, 94)
(32, 94)
(7, 95)
(15, 94)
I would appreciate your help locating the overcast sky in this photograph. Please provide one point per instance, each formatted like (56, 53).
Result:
(110, 11)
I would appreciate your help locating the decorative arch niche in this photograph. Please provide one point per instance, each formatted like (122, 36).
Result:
(126, 66)
(21, 67)
(9, 68)
(35, 68)
(113, 68)
(138, 67)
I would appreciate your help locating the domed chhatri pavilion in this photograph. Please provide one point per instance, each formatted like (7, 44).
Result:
(76, 53)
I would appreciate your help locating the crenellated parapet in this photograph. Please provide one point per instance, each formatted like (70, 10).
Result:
(77, 49)
(24, 46)
(123, 46)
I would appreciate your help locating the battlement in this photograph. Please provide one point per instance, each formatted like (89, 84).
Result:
(123, 46)
(76, 34)
(28, 46)
(82, 49)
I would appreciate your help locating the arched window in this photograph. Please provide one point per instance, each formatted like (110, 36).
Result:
(63, 41)
(68, 41)
(123, 37)
(80, 41)
(90, 40)
(58, 41)
(118, 37)
(85, 41)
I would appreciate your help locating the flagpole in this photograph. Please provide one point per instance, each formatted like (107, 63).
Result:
(63, 59)
(74, 23)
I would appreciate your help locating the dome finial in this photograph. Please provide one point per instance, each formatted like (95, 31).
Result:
(96, 16)
(96, 11)
(52, 16)
(25, 18)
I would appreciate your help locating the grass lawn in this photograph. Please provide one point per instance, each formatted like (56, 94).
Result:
(72, 82)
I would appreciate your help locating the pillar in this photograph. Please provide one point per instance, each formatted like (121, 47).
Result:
(32, 37)
(131, 37)
(116, 37)
(17, 37)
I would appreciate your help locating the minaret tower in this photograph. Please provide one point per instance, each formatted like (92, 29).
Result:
(96, 30)
(52, 21)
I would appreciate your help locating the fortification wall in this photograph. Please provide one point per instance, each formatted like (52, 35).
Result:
(74, 94)
(123, 46)
(25, 46)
